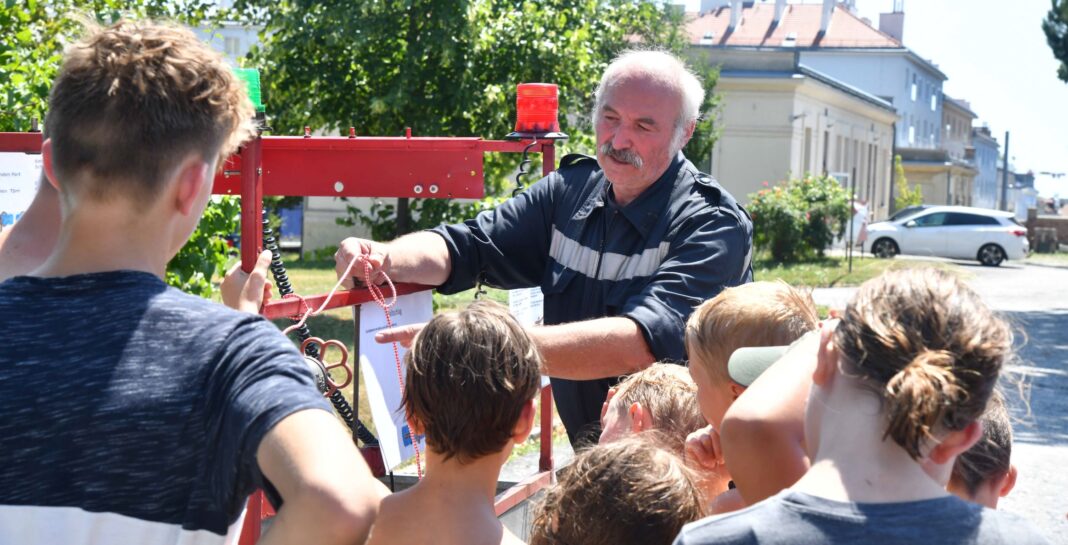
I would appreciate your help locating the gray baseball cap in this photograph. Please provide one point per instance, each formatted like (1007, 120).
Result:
(748, 363)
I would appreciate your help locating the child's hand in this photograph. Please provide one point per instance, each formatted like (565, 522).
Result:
(703, 448)
(246, 291)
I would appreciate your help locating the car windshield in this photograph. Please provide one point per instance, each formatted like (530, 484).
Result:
(907, 212)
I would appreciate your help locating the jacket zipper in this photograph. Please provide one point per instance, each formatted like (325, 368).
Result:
(604, 240)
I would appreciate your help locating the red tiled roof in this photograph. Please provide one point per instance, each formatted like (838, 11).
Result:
(755, 29)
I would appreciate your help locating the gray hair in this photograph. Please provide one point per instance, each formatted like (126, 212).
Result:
(662, 67)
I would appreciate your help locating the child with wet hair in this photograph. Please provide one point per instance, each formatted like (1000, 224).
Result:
(470, 386)
(630, 491)
(984, 473)
(661, 397)
(896, 397)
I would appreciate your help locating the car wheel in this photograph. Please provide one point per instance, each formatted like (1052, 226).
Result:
(991, 255)
(884, 248)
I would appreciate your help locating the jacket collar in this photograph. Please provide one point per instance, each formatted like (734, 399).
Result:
(644, 211)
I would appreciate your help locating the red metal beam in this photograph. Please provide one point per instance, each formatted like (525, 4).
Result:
(523, 490)
(292, 306)
(418, 167)
(25, 142)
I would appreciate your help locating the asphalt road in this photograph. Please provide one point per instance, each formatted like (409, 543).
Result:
(1035, 299)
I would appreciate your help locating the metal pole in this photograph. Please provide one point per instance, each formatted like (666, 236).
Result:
(1005, 175)
(852, 212)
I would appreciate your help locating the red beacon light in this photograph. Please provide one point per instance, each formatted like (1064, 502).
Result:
(536, 107)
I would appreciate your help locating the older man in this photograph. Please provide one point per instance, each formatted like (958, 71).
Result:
(623, 246)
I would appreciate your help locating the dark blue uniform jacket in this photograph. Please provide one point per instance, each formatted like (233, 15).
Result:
(680, 242)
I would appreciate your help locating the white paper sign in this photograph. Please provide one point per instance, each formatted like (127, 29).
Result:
(19, 175)
(527, 305)
(379, 367)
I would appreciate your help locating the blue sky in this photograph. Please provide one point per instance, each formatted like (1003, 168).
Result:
(996, 57)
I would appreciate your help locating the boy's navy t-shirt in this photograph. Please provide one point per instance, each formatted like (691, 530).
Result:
(131, 412)
(795, 518)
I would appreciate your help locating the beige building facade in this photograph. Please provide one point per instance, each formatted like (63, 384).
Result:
(780, 119)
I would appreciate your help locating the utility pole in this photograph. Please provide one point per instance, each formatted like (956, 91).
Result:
(1005, 175)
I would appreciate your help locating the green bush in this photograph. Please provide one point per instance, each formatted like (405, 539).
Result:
(799, 218)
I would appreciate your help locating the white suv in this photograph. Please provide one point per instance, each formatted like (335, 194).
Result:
(960, 232)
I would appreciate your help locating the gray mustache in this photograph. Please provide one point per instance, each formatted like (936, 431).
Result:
(625, 156)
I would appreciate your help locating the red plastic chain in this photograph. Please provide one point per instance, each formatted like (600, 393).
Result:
(379, 297)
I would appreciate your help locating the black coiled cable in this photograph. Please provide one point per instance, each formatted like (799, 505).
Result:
(281, 279)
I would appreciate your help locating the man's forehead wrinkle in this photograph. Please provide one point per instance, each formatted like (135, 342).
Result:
(645, 118)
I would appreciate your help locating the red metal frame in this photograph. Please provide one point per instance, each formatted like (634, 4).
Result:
(417, 167)
(367, 167)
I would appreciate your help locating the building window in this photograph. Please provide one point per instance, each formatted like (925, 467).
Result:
(934, 101)
(912, 134)
(914, 91)
(232, 46)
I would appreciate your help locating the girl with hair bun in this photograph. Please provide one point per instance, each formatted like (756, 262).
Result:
(897, 393)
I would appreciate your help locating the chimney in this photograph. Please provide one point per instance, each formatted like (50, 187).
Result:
(736, 14)
(780, 6)
(893, 24)
(825, 18)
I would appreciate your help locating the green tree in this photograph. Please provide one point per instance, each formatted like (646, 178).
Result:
(799, 218)
(905, 197)
(31, 48)
(444, 68)
(1056, 28)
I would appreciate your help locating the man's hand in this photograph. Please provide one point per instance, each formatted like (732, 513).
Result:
(246, 291)
(363, 251)
(403, 335)
(703, 448)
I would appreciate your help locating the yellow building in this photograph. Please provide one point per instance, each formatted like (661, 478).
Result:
(779, 118)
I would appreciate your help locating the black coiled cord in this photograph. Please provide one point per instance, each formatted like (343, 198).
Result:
(281, 279)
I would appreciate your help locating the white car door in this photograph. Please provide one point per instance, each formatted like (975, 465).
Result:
(924, 235)
(965, 233)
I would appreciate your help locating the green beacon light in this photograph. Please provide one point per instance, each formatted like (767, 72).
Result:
(251, 77)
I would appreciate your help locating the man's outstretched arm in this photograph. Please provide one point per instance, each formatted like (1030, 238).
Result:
(599, 348)
(420, 258)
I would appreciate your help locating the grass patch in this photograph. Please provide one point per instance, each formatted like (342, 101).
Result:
(1059, 258)
(831, 272)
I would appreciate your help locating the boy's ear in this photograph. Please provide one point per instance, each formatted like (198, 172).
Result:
(415, 425)
(525, 424)
(46, 163)
(955, 443)
(826, 358)
(1008, 482)
(191, 176)
(736, 389)
(640, 419)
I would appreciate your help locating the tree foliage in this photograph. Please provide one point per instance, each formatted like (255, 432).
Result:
(1055, 26)
(903, 196)
(799, 218)
(445, 68)
(31, 49)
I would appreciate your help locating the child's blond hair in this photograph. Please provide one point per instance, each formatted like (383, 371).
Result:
(669, 395)
(754, 314)
(627, 491)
